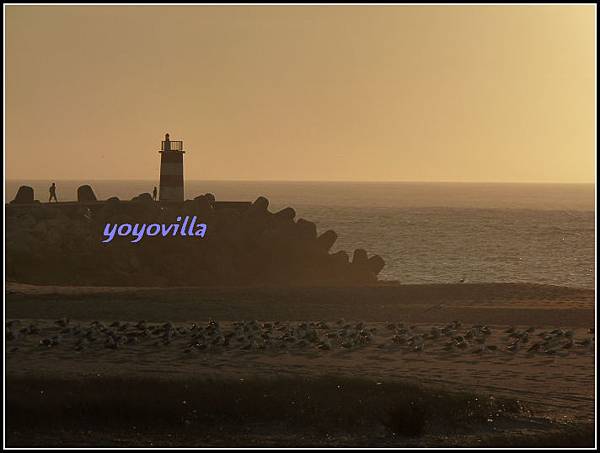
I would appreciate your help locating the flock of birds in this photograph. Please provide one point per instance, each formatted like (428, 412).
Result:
(476, 338)
(283, 336)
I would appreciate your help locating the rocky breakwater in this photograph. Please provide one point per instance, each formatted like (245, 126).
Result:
(49, 245)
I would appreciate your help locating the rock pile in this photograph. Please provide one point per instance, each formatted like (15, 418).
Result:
(55, 245)
(85, 194)
(24, 195)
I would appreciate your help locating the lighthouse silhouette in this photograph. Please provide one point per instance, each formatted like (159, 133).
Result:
(171, 170)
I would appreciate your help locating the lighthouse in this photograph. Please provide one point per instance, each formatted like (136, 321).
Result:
(171, 170)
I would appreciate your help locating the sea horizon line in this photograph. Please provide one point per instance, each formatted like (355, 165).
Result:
(12, 180)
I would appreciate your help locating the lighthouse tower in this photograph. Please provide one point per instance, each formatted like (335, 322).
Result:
(171, 170)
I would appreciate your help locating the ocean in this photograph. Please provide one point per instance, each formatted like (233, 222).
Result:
(426, 232)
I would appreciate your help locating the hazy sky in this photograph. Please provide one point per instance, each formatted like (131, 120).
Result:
(302, 93)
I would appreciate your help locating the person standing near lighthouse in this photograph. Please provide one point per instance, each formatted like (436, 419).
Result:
(52, 191)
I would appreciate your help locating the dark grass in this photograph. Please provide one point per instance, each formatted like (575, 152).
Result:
(330, 402)
(280, 411)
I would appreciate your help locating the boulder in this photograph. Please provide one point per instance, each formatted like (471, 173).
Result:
(360, 258)
(338, 268)
(360, 271)
(143, 197)
(204, 207)
(255, 218)
(260, 205)
(306, 229)
(376, 264)
(24, 195)
(326, 240)
(283, 221)
(286, 214)
(340, 258)
(85, 194)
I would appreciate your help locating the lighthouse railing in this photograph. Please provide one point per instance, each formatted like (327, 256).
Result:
(172, 145)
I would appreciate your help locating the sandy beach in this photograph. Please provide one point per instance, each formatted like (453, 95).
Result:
(531, 345)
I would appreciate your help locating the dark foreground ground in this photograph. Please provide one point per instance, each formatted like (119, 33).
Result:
(324, 411)
(300, 367)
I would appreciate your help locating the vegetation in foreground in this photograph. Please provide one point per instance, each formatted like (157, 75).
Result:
(293, 411)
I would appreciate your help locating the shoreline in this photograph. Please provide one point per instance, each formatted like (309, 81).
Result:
(494, 303)
(22, 287)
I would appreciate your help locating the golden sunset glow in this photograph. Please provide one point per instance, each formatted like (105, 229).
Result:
(484, 93)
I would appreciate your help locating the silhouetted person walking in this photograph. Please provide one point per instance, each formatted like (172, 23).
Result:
(154, 193)
(52, 191)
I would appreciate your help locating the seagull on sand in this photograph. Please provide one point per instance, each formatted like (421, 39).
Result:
(479, 349)
(62, 322)
(534, 347)
(324, 346)
(513, 347)
(449, 346)
(585, 342)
